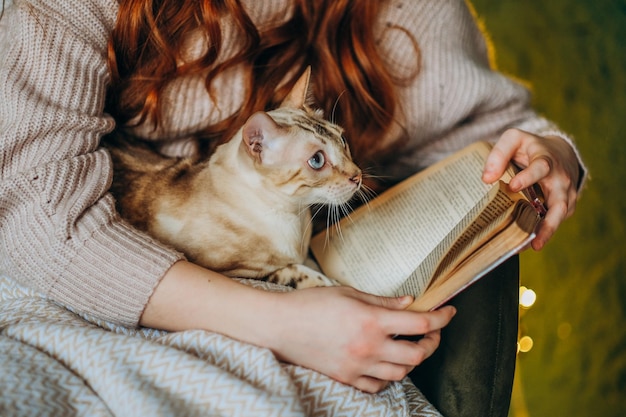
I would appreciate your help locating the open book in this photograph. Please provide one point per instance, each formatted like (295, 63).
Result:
(433, 234)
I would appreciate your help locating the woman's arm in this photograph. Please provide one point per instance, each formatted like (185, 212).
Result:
(338, 331)
(59, 231)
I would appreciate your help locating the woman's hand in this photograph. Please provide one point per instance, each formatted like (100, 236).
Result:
(349, 335)
(338, 331)
(550, 162)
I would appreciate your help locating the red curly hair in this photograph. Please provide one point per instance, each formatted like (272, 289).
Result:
(334, 37)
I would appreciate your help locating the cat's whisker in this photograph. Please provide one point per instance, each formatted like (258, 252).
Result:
(315, 212)
(365, 192)
(304, 208)
(338, 231)
(305, 241)
(366, 195)
(368, 173)
(337, 213)
(329, 222)
(345, 209)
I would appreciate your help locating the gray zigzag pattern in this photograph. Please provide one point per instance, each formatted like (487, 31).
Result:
(30, 373)
(55, 363)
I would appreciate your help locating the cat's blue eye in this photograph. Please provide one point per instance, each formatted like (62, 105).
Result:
(317, 161)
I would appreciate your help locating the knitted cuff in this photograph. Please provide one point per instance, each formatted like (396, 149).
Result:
(115, 274)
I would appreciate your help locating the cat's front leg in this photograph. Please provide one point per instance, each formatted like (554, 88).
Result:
(300, 276)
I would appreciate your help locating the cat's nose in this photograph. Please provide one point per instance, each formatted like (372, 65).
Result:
(357, 179)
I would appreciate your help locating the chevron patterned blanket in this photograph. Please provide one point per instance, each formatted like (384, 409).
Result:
(54, 362)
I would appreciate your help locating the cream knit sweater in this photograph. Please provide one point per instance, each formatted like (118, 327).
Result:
(59, 232)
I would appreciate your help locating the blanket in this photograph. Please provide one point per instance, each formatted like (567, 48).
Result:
(54, 362)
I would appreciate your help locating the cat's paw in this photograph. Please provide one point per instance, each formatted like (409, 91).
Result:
(315, 280)
(300, 276)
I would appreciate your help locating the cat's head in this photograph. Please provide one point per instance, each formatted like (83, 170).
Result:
(300, 153)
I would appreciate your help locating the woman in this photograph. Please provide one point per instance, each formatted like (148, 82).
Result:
(409, 81)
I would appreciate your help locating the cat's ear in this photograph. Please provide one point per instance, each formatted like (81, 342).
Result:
(258, 132)
(297, 97)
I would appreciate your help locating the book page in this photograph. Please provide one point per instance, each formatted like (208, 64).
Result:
(388, 239)
(506, 243)
(421, 278)
(490, 221)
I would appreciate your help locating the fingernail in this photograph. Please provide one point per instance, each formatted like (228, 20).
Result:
(405, 300)
(487, 176)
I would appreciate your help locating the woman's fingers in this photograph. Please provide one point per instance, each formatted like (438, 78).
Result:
(549, 162)
(539, 168)
(387, 371)
(503, 152)
(369, 384)
(392, 303)
(413, 352)
(561, 203)
(407, 323)
(404, 355)
(410, 323)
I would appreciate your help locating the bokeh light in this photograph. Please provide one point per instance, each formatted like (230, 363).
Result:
(525, 344)
(527, 297)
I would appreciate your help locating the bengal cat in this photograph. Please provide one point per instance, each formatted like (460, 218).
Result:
(245, 211)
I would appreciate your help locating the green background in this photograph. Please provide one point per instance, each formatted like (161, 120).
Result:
(573, 54)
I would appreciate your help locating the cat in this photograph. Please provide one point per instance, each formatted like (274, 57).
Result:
(244, 212)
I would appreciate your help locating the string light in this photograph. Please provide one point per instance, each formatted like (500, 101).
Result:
(525, 344)
(527, 298)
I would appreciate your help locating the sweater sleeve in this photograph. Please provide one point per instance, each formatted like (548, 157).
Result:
(59, 231)
(458, 96)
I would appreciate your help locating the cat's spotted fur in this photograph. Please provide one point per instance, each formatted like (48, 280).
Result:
(245, 211)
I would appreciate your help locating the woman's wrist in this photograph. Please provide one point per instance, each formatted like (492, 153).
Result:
(191, 297)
